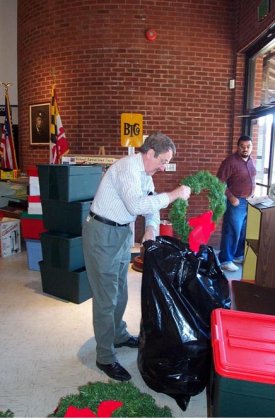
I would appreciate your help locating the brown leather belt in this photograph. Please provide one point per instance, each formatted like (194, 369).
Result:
(106, 220)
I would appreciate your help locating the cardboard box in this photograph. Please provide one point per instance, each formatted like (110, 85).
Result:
(10, 240)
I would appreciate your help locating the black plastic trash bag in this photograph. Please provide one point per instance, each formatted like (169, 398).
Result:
(179, 291)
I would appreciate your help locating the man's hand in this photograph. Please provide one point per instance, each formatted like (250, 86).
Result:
(234, 201)
(182, 192)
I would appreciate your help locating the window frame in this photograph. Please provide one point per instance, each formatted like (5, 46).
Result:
(251, 113)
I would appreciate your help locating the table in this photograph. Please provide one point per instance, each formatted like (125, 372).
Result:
(253, 298)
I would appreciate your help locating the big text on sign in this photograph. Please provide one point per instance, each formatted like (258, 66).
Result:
(131, 128)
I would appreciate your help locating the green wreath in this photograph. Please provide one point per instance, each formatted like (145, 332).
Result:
(216, 197)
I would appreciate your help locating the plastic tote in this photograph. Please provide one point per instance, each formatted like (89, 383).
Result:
(243, 378)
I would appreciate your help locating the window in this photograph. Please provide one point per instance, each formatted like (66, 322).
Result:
(261, 87)
(259, 120)
(261, 132)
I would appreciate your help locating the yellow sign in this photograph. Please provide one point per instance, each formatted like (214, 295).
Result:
(131, 128)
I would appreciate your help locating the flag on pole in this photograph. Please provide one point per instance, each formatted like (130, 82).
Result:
(58, 145)
(9, 160)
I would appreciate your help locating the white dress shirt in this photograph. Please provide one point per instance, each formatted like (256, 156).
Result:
(123, 193)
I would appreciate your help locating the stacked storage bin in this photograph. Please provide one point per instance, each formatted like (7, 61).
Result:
(32, 227)
(32, 222)
(34, 198)
(66, 193)
(243, 377)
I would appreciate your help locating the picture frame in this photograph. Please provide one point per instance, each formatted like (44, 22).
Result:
(39, 123)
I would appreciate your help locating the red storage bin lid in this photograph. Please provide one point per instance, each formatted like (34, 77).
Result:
(32, 171)
(244, 345)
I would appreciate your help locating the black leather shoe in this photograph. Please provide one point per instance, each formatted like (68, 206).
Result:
(132, 342)
(114, 371)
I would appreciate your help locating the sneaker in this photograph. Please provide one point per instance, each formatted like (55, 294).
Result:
(229, 266)
(238, 260)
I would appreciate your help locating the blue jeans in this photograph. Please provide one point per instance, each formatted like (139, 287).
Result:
(233, 231)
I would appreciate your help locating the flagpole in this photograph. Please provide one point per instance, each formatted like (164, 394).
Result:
(58, 143)
(50, 143)
(53, 82)
(7, 141)
(6, 85)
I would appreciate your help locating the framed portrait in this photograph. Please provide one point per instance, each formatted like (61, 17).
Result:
(40, 124)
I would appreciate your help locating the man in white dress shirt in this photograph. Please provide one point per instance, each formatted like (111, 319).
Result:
(126, 191)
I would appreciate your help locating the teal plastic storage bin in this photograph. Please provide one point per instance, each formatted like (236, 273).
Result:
(62, 251)
(243, 376)
(34, 254)
(68, 182)
(70, 286)
(65, 217)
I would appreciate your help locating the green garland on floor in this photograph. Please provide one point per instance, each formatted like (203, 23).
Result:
(7, 414)
(135, 403)
(216, 197)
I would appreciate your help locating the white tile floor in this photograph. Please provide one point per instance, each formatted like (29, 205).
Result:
(48, 349)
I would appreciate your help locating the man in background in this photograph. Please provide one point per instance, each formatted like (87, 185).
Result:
(126, 191)
(238, 172)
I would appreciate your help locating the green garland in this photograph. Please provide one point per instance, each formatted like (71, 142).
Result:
(198, 182)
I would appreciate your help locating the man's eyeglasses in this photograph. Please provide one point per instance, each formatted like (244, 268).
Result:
(162, 162)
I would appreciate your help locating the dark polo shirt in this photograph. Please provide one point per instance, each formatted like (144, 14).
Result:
(239, 175)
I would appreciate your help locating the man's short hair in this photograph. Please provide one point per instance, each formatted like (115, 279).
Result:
(159, 142)
(244, 138)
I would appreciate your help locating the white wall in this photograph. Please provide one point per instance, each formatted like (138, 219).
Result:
(8, 52)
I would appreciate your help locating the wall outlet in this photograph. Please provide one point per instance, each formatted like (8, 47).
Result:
(232, 84)
(170, 167)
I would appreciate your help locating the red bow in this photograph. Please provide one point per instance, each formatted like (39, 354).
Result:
(203, 228)
(105, 410)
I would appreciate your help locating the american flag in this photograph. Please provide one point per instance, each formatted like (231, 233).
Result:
(8, 156)
(59, 144)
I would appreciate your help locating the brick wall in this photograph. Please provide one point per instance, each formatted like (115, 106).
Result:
(104, 66)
